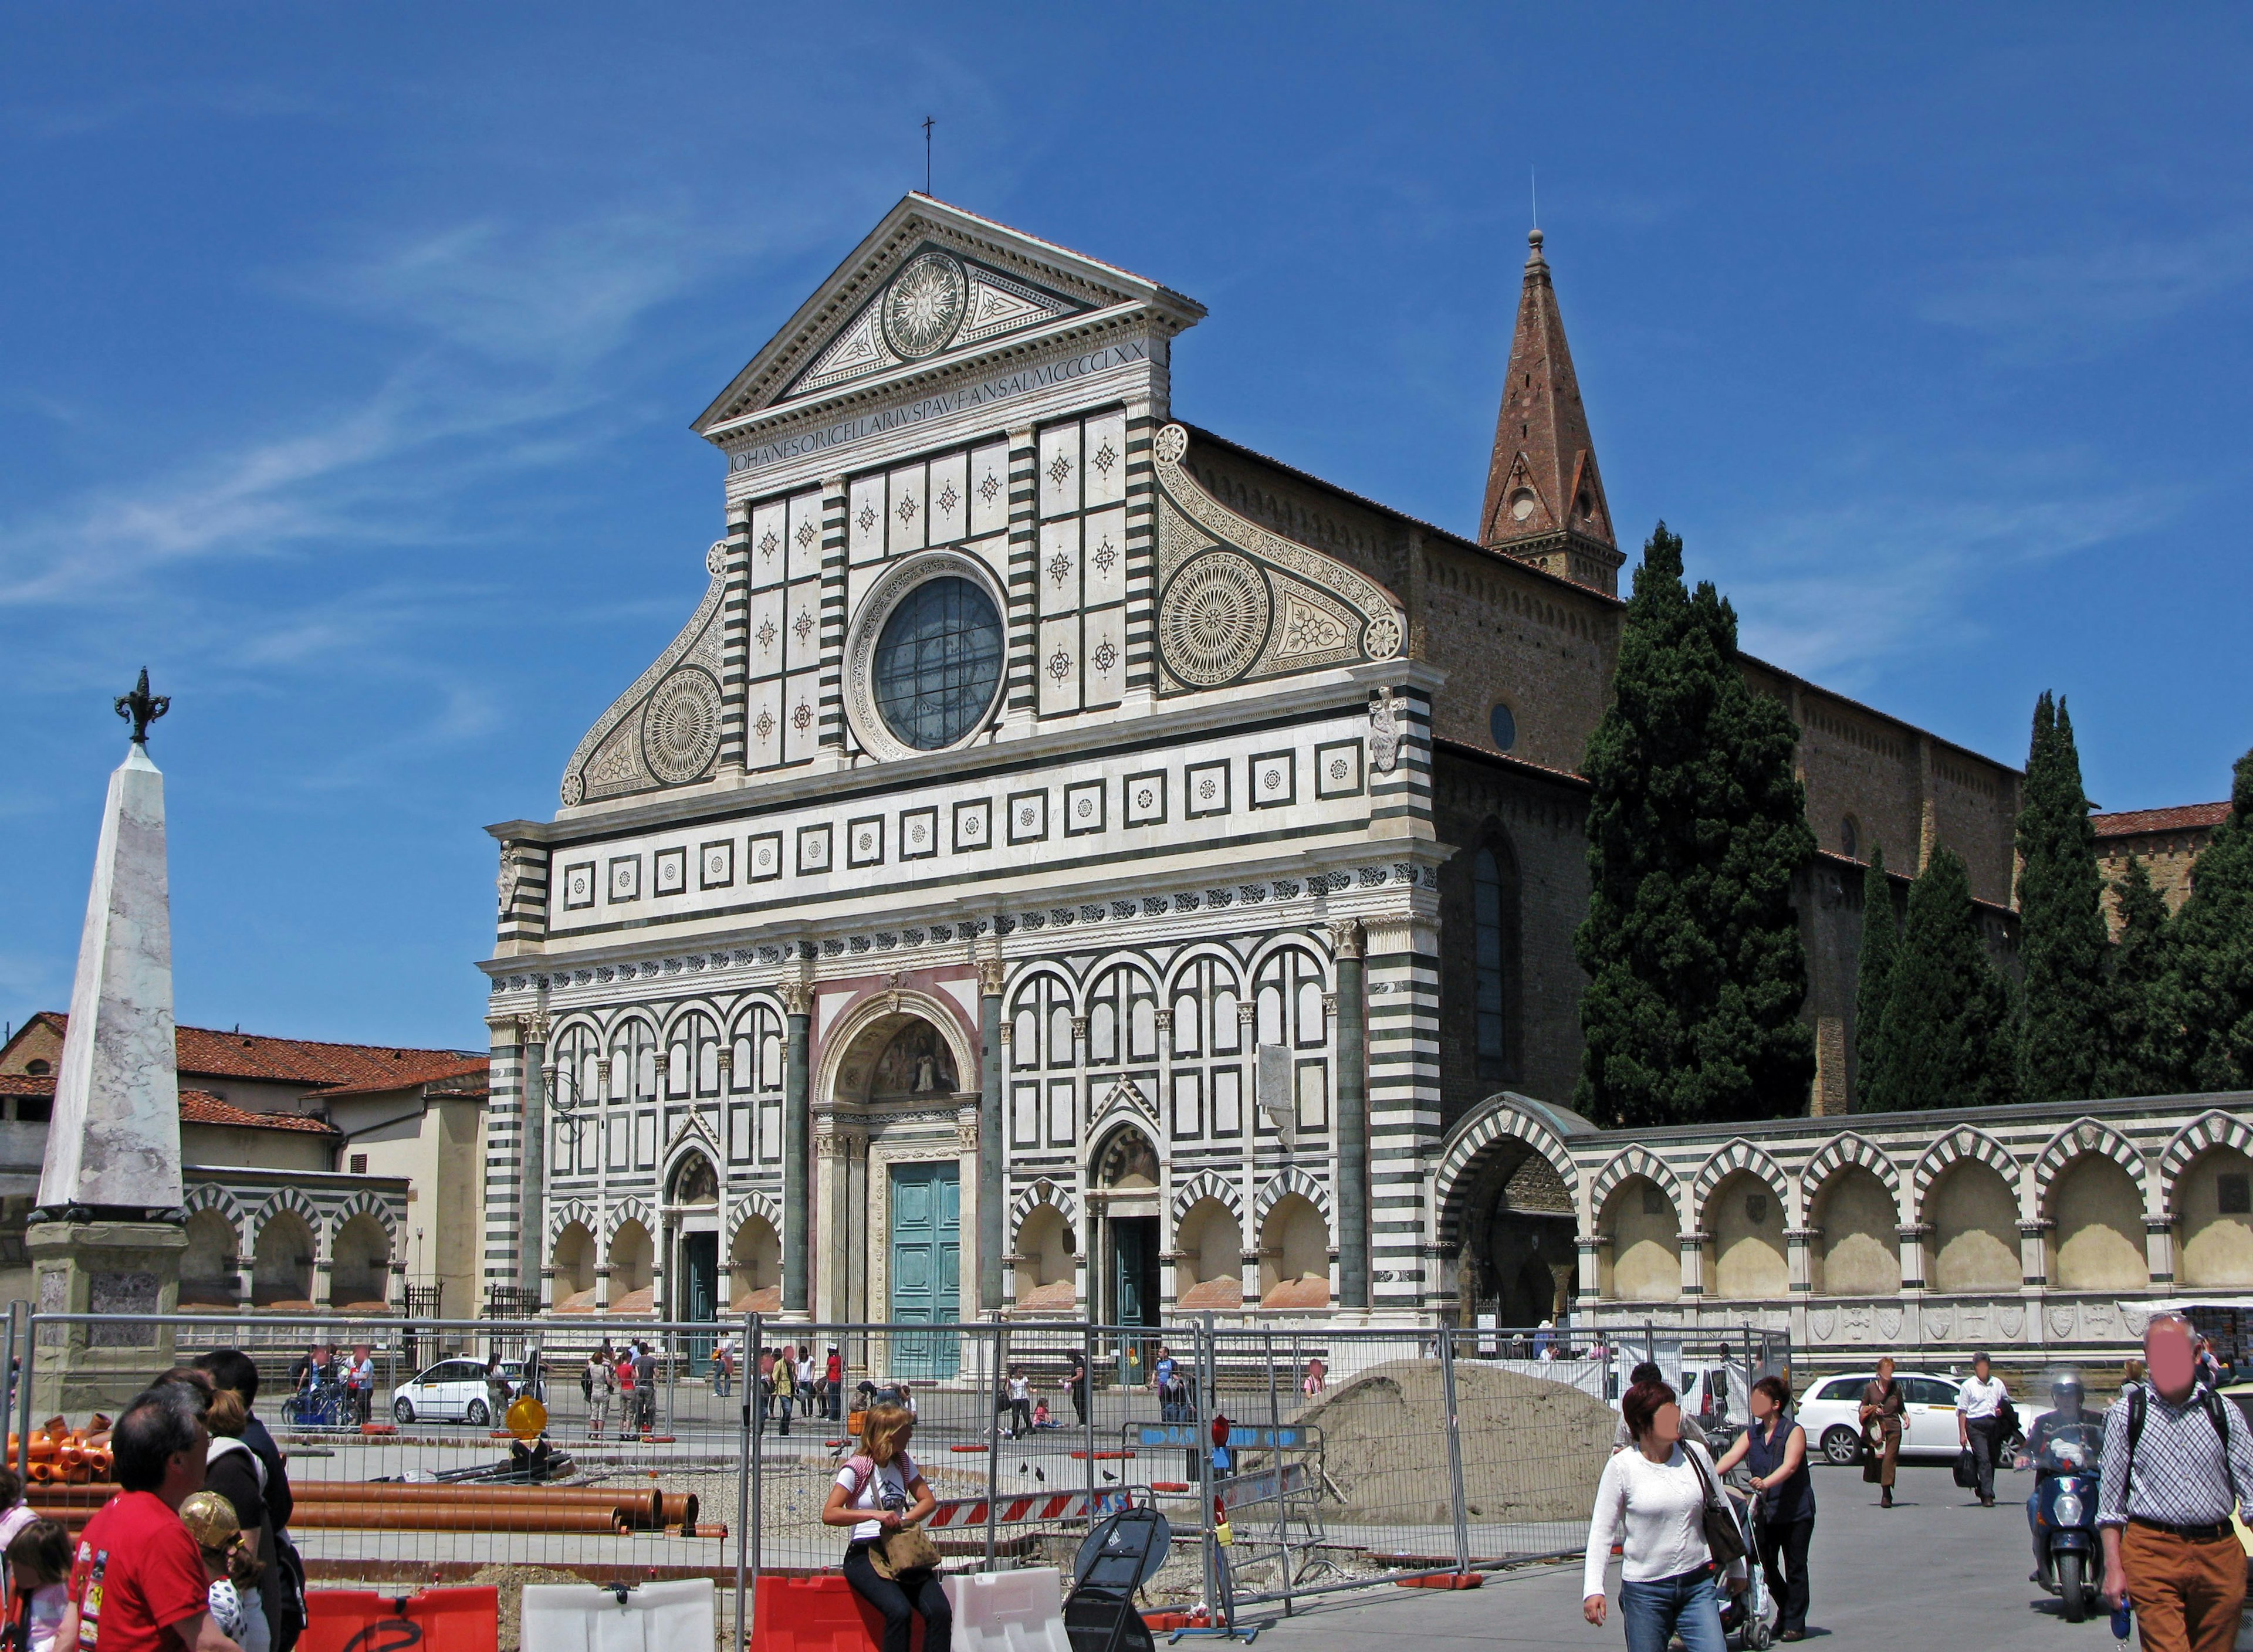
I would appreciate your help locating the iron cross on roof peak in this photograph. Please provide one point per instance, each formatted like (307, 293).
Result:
(140, 707)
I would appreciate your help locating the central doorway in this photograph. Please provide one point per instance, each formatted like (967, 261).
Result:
(926, 1265)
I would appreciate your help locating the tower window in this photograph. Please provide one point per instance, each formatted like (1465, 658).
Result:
(1503, 724)
(37, 1069)
(1486, 932)
(1850, 838)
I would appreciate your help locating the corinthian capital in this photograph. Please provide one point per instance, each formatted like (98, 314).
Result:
(1345, 937)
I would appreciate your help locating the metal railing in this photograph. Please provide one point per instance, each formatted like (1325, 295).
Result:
(1348, 1457)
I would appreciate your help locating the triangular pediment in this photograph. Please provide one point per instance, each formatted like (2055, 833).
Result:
(931, 287)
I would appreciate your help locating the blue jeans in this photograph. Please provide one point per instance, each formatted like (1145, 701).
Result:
(1686, 1605)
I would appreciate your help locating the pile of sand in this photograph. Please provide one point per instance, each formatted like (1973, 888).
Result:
(1532, 1450)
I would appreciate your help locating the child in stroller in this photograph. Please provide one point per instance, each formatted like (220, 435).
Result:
(1748, 1617)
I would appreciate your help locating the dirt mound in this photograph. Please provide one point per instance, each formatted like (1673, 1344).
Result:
(1532, 1450)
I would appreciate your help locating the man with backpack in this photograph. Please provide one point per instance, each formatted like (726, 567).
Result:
(2177, 1456)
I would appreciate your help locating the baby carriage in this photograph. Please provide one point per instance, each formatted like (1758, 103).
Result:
(1748, 1618)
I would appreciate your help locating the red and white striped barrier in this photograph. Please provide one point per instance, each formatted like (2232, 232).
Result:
(1017, 1511)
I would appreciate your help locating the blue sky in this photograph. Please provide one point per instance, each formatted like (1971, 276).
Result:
(347, 355)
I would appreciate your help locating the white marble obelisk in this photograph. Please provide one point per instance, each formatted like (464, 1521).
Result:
(114, 1147)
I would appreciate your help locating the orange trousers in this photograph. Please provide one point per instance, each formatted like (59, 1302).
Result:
(2188, 1596)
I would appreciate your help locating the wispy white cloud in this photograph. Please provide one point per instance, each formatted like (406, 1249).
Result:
(2078, 303)
(1842, 591)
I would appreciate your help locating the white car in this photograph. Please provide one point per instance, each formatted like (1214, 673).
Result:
(1831, 1412)
(452, 1390)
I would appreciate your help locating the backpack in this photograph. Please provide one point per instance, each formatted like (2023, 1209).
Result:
(2211, 1403)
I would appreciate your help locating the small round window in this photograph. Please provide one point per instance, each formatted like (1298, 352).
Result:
(1503, 726)
(938, 662)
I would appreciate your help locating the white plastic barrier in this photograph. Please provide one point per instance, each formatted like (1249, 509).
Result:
(654, 1617)
(1003, 1610)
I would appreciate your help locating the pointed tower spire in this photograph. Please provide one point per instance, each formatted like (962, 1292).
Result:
(1545, 498)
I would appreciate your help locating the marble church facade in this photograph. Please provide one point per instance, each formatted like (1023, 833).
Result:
(1071, 864)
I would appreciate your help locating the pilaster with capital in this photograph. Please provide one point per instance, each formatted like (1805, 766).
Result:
(1349, 1004)
(987, 1230)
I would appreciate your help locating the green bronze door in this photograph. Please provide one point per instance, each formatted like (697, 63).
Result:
(926, 1265)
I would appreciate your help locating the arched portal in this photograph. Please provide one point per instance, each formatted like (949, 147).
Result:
(1045, 1263)
(1513, 1219)
(1207, 1258)
(755, 1267)
(574, 1269)
(1294, 1255)
(359, 1267)
(692, 1222)
(633, 1260)
(1124, 1220)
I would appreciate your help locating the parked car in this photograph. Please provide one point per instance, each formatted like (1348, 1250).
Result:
(453, 1390)
(1831, 1412)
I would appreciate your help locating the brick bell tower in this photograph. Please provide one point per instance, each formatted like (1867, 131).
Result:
(1545, 499)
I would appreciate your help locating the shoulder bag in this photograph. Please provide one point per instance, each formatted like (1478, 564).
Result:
(909, 1549)
(1725, 1541)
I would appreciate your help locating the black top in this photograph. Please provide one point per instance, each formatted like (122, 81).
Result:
(1794, 1497)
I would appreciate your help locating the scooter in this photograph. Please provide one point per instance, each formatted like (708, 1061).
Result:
(2062, 1512)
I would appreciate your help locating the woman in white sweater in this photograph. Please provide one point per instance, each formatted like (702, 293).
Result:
(1652, 1499)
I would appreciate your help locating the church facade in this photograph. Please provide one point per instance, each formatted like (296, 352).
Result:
(1069, 863)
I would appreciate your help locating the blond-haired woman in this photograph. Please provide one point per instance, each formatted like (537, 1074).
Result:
(878, 1492)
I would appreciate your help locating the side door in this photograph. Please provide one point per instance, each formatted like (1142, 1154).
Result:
(463, 1381)
(1930, 1405)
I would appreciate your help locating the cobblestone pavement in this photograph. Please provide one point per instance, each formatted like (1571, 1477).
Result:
(1935, 1572)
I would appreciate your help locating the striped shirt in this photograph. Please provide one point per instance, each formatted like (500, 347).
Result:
(2180, 1477)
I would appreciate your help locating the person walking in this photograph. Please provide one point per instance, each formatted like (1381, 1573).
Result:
(808, 1394)
(878, 1492)
(785, 1383)
(833, 1378)
(1979, 1422)
(497, 1394)
(1020, 1403)
(1881, 1431)
(1774, 1450)
(646, 1386)
(723, 1367)
(1654, 1500)
(2177, 1458)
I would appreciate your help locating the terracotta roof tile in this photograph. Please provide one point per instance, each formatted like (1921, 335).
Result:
(2183, 817)
(207, 1052)
(201, 1107)
(26, 1084)
(445, 1078)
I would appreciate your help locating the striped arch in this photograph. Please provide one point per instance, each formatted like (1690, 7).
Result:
(749, 1005)
(1961, 1143)
(1292, 941)
(754, 1203)
(1044, 1191)
(1497, 1116)
(1292, 1180)
(1736, 1155)
(209, 1196)
(297, 1204)
(2207, 1130)
(364, 1203)
(1838, 1154)
(2078, 1141)
(1026, 974)
(671, 1016)
(565, 1214)
(1205, 1185)
(627, 1210)
(1636, 1161)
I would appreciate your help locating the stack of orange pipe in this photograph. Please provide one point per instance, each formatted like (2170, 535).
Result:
(320, 1505)
(61, 1455)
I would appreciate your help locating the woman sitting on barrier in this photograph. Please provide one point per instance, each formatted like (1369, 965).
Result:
(882, 1495)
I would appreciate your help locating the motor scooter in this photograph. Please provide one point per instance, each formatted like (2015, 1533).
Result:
(2062, 1512)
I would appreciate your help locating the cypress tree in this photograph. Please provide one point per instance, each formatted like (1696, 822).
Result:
(1874, 980)
(1948, 1018)
(2066, 1008)
(2143, 1054)
(2212, 974)
(1696, 828)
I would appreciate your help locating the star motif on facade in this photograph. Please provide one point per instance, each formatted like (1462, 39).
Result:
(1059, 568)
(805, 534)
(1338, 768)
(769, 544)
(1060, 468)
(1145, 797)
(989, 487)
(767, 633)
(1273, 779)
(1105, 555)
(803, 717)
(1059, 665)
(803, 624)
(1208, 788)
(1105, 458)
(948, 499)
(905, 510)
(868, 518)
(1107, 656)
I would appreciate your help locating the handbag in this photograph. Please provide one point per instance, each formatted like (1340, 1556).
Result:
(909, 1549)
(1967, 1470)
(1724, 1540)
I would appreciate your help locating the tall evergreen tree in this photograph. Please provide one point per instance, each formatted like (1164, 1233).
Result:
(2066, 1005)
(1947, 1019)
(1873, 984)
(1696, 827)
(2143, 1056)
(2212, 964)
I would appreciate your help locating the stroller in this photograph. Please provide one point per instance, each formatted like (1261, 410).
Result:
(1748, 1619)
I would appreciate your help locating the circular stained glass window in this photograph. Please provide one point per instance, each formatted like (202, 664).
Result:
(938, 662)
(1504, 726)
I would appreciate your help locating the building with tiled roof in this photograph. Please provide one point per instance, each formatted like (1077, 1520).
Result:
(2167, 841)
(317, 1174)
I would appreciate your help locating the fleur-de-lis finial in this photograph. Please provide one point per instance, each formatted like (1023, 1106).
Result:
(140, 707)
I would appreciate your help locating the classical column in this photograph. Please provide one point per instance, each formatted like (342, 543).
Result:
(990, 1223)
(602, 1284)
(1352, 1118)
(797, 1132)
(1692, 1245)
(531, 1239)
(2033, 1253)
(2159, 1250)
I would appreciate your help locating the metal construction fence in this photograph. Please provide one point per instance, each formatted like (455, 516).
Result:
(1290, 1459)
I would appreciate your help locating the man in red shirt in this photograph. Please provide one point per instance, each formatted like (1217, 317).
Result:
(137, 1582)
(834, 1377)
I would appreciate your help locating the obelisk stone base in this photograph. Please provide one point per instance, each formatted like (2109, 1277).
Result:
(102, 1266)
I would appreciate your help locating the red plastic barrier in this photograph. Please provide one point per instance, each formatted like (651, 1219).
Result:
(439, 1620)
(1444, 1580)
(817, 1614)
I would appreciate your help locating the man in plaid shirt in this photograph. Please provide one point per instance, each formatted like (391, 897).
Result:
(2177, 1456)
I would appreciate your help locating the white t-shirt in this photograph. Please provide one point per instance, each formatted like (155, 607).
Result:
(886, 1480)
(1660, 1507)
(47, 1606)
(1978, 1399)
(1020, 1388)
